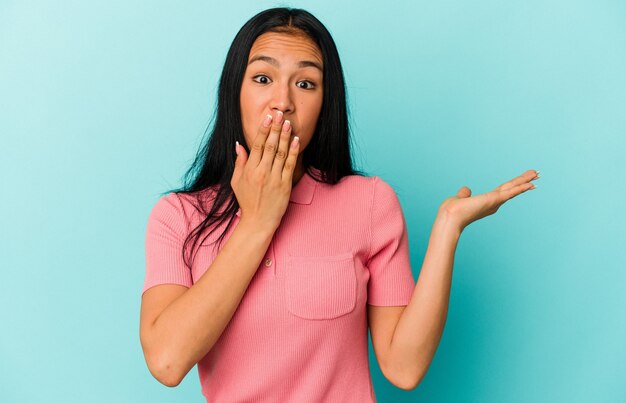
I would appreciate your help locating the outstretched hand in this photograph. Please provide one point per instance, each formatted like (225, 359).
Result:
(463, 209)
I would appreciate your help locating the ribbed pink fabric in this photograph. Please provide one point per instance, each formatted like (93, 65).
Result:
(300, 331)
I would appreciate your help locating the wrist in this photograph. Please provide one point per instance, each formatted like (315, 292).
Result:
(254, 228)
(448, 224)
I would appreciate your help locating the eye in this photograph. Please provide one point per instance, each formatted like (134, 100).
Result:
(310, 84)
(261, 76)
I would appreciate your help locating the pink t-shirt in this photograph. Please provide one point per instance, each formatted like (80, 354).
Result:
(300, 331)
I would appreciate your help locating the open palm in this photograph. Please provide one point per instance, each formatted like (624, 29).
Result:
(463, 209)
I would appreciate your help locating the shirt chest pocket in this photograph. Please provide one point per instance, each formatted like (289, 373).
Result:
(320, 287)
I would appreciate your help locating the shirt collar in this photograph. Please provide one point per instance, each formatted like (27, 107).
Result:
(304, 190)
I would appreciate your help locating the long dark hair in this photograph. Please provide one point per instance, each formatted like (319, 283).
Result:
(329, 149)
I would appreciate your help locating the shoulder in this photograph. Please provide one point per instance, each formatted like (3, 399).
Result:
(352, 182)
(364, 180)
(385, 199)
(383, 190)
(372, 189)
(166, 205)
(182, 206)
(374, 185)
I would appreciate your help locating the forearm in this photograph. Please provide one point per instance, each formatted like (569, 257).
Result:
(189, 327)
(420, 327)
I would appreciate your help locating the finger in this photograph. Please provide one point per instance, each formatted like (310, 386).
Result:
(523, 178)
(283, 149)
(271, 144)
(256, 152)
(240, 163)
(292, 158)
(517, 190)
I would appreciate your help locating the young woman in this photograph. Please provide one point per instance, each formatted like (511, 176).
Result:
(269, 267)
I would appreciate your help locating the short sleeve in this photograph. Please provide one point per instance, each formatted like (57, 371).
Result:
(165, 234)
(391, 278)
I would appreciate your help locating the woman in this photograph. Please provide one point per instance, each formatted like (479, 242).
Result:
(314, 252)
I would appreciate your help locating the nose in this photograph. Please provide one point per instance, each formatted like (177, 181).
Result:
(282, 99)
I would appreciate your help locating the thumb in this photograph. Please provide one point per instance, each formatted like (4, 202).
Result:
(464, 192)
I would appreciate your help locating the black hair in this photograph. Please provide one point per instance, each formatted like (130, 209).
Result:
(328, 150)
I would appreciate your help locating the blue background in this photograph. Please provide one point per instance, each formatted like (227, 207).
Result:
(103, 105)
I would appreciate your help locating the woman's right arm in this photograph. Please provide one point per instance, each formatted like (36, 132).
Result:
(194, 318)
(180, 325)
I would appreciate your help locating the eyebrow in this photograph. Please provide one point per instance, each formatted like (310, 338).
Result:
(274, 62)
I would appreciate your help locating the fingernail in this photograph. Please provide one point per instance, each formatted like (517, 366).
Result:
(286, 126)
(295, 141)
(267, 121)
(279, 116)
(237, 147)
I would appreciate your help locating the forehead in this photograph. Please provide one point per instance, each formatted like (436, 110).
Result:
(285, 45)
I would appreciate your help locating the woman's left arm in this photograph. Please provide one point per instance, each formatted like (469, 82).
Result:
(419, 329)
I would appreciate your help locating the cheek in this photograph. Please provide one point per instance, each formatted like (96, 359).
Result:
(247, 112)
(243, 104)
(251, 104)
(315, 110)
